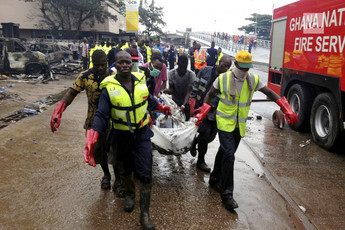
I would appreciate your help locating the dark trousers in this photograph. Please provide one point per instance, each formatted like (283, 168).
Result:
(171, 65)
(134, 153)
(223, 171)
(192, 67)
(75, 55)
(207, 133)
(85, 59)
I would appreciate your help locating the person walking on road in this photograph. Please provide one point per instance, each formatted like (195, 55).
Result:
(84, 53)
(208, 129)
(180, 84)
(89, 81)
(191, 56)
(75, 49)
(125, 100)
(199, 58)
(172, 57)
(236, 88)
(212, 55)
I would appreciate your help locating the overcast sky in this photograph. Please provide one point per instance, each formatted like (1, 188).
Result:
(214, 15)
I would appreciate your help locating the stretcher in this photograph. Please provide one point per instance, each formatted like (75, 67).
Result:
(172, 134)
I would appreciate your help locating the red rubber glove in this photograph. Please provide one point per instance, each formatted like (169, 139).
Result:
(91, 140)
(201, 116)
(55, 120)
(196, 111)
(290, 116)
(192, 102)
(164, 109)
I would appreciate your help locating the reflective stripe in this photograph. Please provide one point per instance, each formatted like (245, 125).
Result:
(233, 117)
(229, 102)
(130, 108)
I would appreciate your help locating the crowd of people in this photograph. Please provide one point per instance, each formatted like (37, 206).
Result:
(241, 39)
(123, 83)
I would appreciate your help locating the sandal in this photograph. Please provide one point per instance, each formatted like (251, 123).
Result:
(105, 183)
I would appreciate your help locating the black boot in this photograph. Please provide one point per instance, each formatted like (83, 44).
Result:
(201, 164)
(105, 183)
(118, 186)
(145, 198)
(129, 193)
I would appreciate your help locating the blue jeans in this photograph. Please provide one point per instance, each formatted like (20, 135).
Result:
(223, 171)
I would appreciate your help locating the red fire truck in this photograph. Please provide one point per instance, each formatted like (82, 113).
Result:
(307, 65)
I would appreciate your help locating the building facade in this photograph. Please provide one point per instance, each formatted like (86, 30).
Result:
(25, 14)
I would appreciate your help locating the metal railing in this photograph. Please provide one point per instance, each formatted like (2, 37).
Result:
(229, 43)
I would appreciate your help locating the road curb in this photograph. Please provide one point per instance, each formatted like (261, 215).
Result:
(298, 217)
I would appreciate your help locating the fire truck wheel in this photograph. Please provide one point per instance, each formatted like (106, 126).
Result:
(300, 100)
(324, 121)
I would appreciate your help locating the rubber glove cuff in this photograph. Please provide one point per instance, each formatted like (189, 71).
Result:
(91, 140)
(57, 114)
(203, 113)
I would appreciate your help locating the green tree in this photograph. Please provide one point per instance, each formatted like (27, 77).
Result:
(71, 15)
(151, 17)
(261, 25)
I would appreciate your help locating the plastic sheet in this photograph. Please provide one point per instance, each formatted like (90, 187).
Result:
(172, 134)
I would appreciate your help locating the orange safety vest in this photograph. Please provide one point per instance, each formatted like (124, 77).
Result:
(199, 59)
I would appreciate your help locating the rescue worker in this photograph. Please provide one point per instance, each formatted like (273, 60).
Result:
(236, 87)
(123, 44)
(89, 81)
(148, 50)
(125, 100)
(220, 55)
(93, 48)
(108, 47)
(199, 58)
(208, 129)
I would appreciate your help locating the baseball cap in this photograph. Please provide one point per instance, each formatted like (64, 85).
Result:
(244, 59)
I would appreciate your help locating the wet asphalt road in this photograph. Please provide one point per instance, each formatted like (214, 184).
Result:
(46, 184)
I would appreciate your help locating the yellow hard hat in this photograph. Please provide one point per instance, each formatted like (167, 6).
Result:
(244, 59)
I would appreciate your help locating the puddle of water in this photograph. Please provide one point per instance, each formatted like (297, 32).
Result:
(249, 158)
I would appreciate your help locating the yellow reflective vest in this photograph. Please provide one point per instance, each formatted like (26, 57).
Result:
(91, 52)
(220, 55)
(129, 112)
(125, 46)
(229, 112)
(149, 53)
